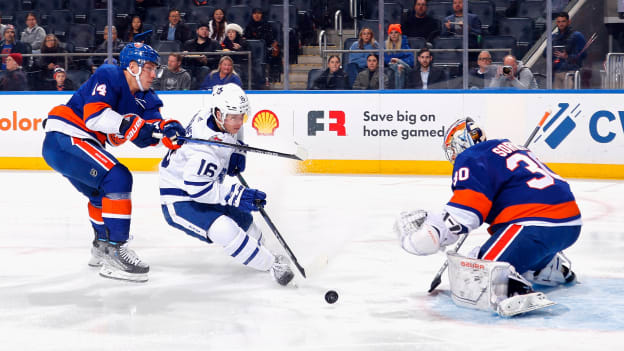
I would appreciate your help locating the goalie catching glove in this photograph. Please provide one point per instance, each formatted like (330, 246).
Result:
(422, 233)
(245, 198)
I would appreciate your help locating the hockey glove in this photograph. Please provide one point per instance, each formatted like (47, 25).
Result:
(135, 129)
(246, 199)
(237, 162)
(171, 130)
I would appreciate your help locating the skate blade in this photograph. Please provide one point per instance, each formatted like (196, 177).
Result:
(112, 273)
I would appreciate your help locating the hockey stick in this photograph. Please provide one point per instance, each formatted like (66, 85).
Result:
(269, 222)
(300, 155)
(438, 277)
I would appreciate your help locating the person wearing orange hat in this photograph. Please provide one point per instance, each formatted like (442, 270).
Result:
(399, 61)
(14, 79)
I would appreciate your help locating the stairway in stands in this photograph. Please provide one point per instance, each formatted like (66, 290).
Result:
(310, 59)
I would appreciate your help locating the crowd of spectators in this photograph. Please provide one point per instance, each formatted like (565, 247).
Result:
(213, 35)
(405, 67)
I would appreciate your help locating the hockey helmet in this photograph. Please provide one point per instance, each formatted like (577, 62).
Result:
(229, 99)
(139, 52)
(461, 135)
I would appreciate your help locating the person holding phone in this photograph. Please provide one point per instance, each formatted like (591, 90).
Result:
(568, 52)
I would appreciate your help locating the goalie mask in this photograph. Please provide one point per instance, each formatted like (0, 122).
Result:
(461, 135)
(228, 99)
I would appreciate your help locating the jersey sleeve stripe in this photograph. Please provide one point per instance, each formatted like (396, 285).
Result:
(199, 194)
(467, 198)
(558, 212)
(186, 182)
(93, 109)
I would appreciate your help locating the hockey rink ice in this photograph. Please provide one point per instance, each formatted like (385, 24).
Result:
(339, 226)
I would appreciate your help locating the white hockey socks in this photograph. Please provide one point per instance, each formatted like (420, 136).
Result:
(243, 248)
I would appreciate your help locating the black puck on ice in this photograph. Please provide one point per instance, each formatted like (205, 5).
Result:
(331, 296)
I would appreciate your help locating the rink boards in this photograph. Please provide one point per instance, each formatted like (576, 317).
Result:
(394, 132)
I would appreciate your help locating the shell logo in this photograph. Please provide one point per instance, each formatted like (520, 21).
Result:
(265, 122)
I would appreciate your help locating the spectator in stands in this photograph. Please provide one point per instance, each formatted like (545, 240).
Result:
(202, 43)
(175, 29)
(453, 24)
(418, 24)
(118, 45)
(259, 29)
(51, 45)
(234, 41)
(359, 61)
(217, 25)
(568, 52)
(481, 77)
(61, 82)
(426, 76)
(513, 75)
(135, 27)
(10, 45)
(33, 34)
(223, 75)
(174, 77)
(333, 78)
(14, 79)
(368, 79)
(399, 62)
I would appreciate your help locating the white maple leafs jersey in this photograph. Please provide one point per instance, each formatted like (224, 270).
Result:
(195, 172)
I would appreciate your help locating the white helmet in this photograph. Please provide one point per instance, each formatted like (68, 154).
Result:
(461, 135)
(228, 99)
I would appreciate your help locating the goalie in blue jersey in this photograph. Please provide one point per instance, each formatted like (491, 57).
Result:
(195, 198)
(114, 106)
(531, 211)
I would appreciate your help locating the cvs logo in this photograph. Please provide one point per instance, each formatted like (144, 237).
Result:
(335, 123)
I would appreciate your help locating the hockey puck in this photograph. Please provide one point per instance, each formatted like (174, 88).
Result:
(331, 296)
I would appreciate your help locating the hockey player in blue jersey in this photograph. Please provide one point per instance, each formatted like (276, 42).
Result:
(531, 211)
(195, 198)
(114, 106)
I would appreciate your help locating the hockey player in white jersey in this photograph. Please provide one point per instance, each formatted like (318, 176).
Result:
(194, 197)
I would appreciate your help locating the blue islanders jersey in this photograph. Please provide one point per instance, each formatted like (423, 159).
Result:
(499, 183)
(106, 88)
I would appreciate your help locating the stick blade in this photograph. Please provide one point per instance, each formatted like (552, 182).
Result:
(434, 284)
(301, 153)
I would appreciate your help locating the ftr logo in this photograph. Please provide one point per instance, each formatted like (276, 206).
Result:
(318, 123)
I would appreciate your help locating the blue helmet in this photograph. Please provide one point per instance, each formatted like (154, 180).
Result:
(139, 52)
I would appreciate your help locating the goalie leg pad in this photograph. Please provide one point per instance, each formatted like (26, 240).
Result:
(491, 286)
(477, 284)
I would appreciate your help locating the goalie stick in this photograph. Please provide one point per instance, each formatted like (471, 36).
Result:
(438, 277)
(269, 222)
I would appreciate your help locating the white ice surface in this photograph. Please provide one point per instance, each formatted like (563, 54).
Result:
(199, 299)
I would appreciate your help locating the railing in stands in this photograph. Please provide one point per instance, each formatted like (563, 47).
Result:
(614, 75)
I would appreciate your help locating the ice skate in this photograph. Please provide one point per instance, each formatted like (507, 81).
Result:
(97, 253)
(121, 262)
(280, 270)
(557, 271)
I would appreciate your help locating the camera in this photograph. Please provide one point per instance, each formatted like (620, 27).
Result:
(507, 69)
